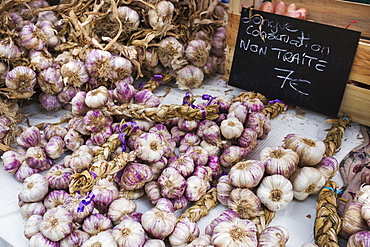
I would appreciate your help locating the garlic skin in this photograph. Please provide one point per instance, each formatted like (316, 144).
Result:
(121, 68)
(196, 187)
(56, 224)
(161, 15)
(104, 238)
(21, 79)
(275, 192)
(30, 137)
(189, 77)
(73, 140)
(129, 233)
(306, 181)
(203, 240)
(182, 163)
(232, 155)
(12, 160)
(75, 239)
(96, 223)
(55, 147)
(24, 171)
(50, 81)
(33, 208)
(149, 147)
(235, 232)
(97, 98)
(119, 208)
(244, 202)
(246, 174)
(278, 160)
(56, 198)
(310, 151)
(253, 105)
(135, 175)
(184, 233)
(273, 236)
(78, 160)
(231, 128)
(198, 154)
(153, 191)
(32, 226)
(159, 224)
(34, 188)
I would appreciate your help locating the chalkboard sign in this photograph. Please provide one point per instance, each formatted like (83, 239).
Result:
(302, 63)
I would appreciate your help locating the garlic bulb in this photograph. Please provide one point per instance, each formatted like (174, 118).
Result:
(275, 192)
(105, 192)
(203, 240)
(310, 151)
(129, 233)
(182, 163)
(154, 243)
(97, 98)
(184, 233)
(56, 224)
(235, 232)
(244, 202)
(153, 191)
(33, 208)
(161, 15)
(119, 208)
(21, 78)
(226, 215)
(96, 223)
(159, 224)
(224, 188)
(196, 187)
(273, 236)
(135, 175)
(231, 128)
(32, 37)
(59, 177)
(328, 166)
(98, 63)
(352, 220)
(172, 183)
(189, 77)
(56, 198)
(104, 238)
(279, 160)
(246, 174)
(74, 73)
(34, 189)
(32, 226)
(197, 52)
(149, 147)
(12, 160)
(39, 240)
(306, 181)
(358, 239)
(75, 239)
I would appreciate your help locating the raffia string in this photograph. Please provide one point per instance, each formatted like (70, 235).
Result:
(334, 137)
(328, 222)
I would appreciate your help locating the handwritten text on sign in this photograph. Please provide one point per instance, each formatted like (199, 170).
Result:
(294, 60)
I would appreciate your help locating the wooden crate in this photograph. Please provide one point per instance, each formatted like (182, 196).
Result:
(356, 100)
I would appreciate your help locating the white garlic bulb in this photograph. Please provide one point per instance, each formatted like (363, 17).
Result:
(34, 189)
(310, 151)
(119, 208)
(231, 128)
(97, 98)
(184, 233)
(56, 224)
(96, 223)
(159, 224)
(32, 226)
(224, 188)
(104, 238)
(244, 202)
(129, 233)
(306, 181)
(246, 174)
(278, 160)
(273, 236)
(235, 232)
(275, 192)
(154, 243)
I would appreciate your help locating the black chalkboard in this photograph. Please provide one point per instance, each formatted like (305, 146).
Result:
(300, 62)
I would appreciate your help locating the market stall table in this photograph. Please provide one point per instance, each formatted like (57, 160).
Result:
(298, 217)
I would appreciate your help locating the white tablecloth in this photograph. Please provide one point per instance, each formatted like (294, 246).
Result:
(298, 217)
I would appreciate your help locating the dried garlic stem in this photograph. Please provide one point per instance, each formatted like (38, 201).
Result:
(334, 137)
(163, 112)
(328, 222)
(201, 207)
(249, 95)
(156, 81)
(273, 110)
(107, 148)
(263, 219)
